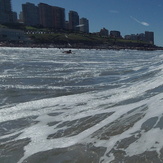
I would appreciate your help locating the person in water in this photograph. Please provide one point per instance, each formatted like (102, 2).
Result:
(68, 51)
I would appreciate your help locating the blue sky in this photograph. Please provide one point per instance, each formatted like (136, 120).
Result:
(126, 16)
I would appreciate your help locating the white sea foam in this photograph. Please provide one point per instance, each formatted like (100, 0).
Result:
(130, 89)
(40, 143)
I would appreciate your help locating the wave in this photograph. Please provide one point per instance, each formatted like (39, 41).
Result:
(115, 117)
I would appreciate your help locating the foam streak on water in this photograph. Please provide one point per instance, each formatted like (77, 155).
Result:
(91, 106)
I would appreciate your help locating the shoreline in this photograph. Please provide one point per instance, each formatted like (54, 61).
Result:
(97, 47)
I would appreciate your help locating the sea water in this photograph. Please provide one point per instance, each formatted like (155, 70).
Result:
(91, 106)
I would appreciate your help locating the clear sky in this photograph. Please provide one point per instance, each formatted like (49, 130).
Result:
(126, 16)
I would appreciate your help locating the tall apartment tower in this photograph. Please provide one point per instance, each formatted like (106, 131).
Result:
(73, 21)
(84, 25)
(6, 15)
(59, 17)
(45, 12)
(51, 16)
(149, 37)
(30, 14)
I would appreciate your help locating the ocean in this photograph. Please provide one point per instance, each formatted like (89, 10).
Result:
(91, 106)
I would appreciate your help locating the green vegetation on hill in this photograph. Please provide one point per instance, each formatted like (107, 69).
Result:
(83, 39)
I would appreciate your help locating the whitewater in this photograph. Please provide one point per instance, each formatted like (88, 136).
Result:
(90, 106)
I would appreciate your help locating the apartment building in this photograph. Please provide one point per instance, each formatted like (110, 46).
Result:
(104, 32)
(59, 17)
(84, 25)
(73, 21)
(15, 17)
(149, 37)
(30, 14)
(51, 16)
(115, 34)
(146, 37)
(6, 15)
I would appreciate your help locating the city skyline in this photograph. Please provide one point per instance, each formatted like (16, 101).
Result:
(122, 15)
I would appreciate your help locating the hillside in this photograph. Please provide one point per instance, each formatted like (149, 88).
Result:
(85, 40)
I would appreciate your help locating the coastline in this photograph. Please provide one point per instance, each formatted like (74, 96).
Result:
(47, 46)
(76, 46)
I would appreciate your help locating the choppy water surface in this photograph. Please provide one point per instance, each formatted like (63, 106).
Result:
(92, 106)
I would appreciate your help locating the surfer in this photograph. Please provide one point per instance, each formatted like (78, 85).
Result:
(68, 51)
